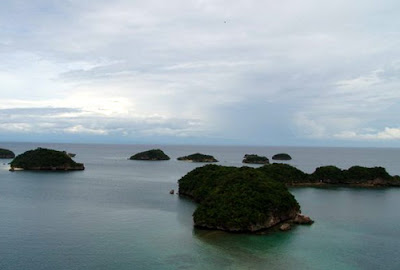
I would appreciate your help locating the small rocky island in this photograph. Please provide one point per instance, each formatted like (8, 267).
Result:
(151, 155)
(238, 199)
(282, 156)
(5, 153)
(255, 159)
(197, 157)
(42, 159)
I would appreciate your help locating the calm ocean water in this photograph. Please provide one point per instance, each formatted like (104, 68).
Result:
(118, 214)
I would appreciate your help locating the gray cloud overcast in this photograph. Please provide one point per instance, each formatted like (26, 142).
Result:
(274, 73)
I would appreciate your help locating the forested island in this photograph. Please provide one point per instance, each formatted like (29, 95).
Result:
(197, 157)
(281, 156)
(255, 159)
(331, 175)
(150, 155)
(42, 159)
(5, 153)
(239, 199)
(254, 199)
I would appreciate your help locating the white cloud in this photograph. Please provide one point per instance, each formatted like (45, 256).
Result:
(81, 129)
(362, 82)
(309, 127)
(386, 134)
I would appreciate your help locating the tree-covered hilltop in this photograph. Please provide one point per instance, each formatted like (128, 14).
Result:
(255, 159)
(152, 155)
(197, 157)
(45, 159)
(5, 153)
(356, 175)
(282, 156)
(284, 173)
(330, 175)
(237, 199)
(200, 182)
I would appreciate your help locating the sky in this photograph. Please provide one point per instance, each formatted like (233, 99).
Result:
(310, 72)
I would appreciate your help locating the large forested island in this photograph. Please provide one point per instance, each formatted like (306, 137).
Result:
(197, 157)
(5, 153)
(238, 199)
(331, 175)
(42, 159)
(248, 199)
(151, 155)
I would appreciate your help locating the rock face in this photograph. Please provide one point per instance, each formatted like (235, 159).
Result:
(282, 156)
(5, 153)
(237, 199)
(42, 159)
(197, 157)
(151, 155)
(304, 220)
(255, 159)
(285, 227)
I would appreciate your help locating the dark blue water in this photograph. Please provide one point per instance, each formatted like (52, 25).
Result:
(118, 214)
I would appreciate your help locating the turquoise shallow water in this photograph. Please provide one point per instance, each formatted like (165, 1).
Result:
(118, 214)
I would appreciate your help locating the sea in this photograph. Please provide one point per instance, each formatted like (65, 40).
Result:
(118, 214)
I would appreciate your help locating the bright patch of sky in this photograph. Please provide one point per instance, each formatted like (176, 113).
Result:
(215, 72)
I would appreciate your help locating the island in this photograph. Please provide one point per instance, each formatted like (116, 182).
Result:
(197, 157)
(282, 156)
(42, 159)
(356, 176)
(5, 153)
(151, 155)
(255, 159)
(239, 199)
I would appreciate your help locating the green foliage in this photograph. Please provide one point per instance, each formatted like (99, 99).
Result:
(5, 153)
(282, 156)
(362, 173)
(235, 198)
(328, 174)
(154, 154)
(42, 157)
(197, 157)
(199, 183)
(255, 159)
(284, 173)
(355, 174)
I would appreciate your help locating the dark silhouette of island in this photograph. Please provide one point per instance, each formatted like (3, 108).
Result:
(151, 155)
(197, 157)
(281, 156)
(239, 199)
(255, 159)
(42, 159)
(5, 153)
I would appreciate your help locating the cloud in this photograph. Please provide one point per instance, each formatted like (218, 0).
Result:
(131, 68)
(362, 82)
(386, 134)
(78, 121)
(78, 129)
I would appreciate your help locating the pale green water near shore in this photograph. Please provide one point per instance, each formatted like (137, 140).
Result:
(118, 214)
